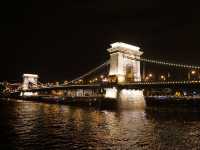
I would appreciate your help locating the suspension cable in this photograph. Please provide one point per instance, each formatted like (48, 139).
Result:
(90, 72)
(167, 63)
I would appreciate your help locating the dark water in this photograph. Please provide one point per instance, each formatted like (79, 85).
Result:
(34, 126)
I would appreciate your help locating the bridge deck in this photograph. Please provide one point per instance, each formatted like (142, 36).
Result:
(134, 85)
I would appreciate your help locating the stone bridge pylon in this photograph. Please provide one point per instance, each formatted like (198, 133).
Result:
(122, 62)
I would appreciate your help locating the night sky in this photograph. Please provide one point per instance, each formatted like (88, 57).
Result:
(61, 39)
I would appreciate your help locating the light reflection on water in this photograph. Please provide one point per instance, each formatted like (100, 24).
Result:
(29, 125)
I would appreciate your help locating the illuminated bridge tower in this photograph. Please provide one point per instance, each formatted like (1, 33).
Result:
(29, 80)
(123, 63)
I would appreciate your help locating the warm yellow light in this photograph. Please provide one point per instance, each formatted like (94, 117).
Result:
(128, 94)
(111, 93)
(29, 94)
(105, 80)
(193, 72)
(121, 79)
(150, 75)
(162, 77)
(65, 82)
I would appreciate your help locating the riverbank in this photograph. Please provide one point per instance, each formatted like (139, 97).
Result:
(173, 101)
(101, 101)
(97, 101)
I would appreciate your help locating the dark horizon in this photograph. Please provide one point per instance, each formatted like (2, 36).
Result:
(60, 40)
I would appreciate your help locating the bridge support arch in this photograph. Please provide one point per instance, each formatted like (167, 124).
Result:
(29, 80)
(126, 68)
(123, 63)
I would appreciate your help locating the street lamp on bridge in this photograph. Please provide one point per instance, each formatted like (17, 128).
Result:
(193, 72)
(162, 77)
(149, 77)
(193, 75)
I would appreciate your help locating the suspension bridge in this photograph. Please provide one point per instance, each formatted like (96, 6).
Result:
(124, 70)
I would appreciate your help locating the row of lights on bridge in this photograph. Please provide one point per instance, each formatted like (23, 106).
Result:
(169, 64)
(102, 78)
(193, 74)
(149, 77)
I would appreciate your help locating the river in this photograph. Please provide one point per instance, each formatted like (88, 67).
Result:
(26, 125)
